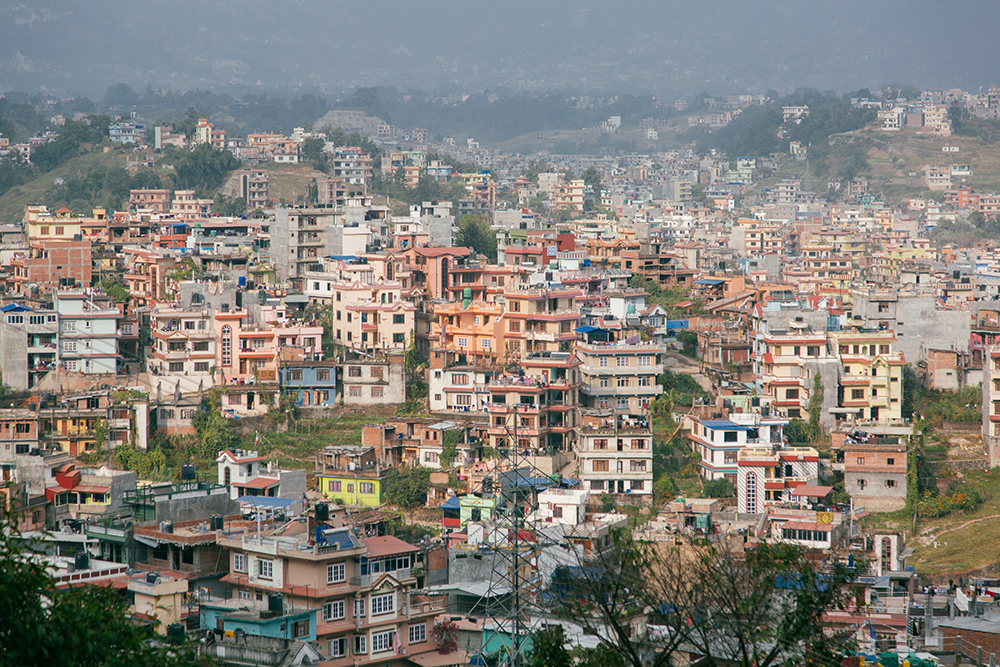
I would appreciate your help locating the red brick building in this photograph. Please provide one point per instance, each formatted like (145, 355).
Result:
(53, 263)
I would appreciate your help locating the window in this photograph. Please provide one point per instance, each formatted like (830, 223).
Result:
(366, 487)
(378, 392)
(462, 341)
(399, 319)
(862, 484)
(418, 633)
(623, 382)
(323, 374)
(791, 393)
(730, 436)
(601, 465)
(383, 604)
(176, 366)
(557, 512)
(890, 483)
(360, 645)
(201, 367)
(602, 362)
(333, 611)
(300, 629)
(883, 349)
(621, 361)
(354, 391)
(245, 595)
(459, 378)
(67, 327)
(336, 573)
(637, 466)
(69, 346)
(235, 399)
(890, 462)
(333, 485)
(295, 375)
(857, 394)
(354, 371)
(336, 648)
(265, 569)
(812, 351)
(515, 325)
(603, 383)
(645, 360)
(638, 485)
(227, 345)
(398, 338)
(383, 641)
(729, 457)
(601, 443)
(240, 563)
(486, 343)
(359, 607)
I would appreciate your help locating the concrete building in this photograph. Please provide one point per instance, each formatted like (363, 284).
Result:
(28, 340)
(88, 333)
(875, 475)
(767, 475)
(619, 375)
(991, 405)
(614, 453)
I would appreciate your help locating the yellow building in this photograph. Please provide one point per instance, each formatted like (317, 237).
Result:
(356, 487)
(871, 383)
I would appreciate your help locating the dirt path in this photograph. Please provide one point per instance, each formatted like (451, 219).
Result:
(937, 535)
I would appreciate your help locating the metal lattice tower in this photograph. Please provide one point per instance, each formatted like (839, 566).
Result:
(514, 579)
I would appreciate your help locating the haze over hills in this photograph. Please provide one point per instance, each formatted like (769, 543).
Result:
(664, 48)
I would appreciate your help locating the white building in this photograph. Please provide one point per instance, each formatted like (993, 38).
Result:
(88, 333)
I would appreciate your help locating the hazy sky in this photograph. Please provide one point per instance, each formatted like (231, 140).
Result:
(637, 46)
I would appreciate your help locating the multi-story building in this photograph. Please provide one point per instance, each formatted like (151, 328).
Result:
(535, 409)
(28, 340)
(205, 133)
(299, 239)
(470, 328)
(459, 382)
(619, 375)
(614, 452)
(88, 332)
(875, 474)
(767, 475)
(253, 188)
(352, 166)
(719, 441)
(871, 386)
(362, 591)
(540, 320)
(183, 344)
(784, 363)
(156, 200)
(991, 405)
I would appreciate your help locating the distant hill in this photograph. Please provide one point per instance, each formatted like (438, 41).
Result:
(350, 120)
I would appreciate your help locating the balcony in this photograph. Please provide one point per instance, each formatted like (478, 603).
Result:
(366, 580)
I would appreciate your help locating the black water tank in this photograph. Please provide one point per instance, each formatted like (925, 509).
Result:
(167, 527)
(275, 602)
(322, 512)
(152, 578)
(216, 522)
(187, 471)
(82, 561)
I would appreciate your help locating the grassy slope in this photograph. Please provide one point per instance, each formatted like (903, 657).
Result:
(37, 190)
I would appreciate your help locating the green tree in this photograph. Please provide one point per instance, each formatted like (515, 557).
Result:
(816, 407)
(407, 487)
(718, 488)
(548, 648)
(798, 432)
(312, 151)
(112, 285)
(475, 232)
(86, 626)
(204, 169)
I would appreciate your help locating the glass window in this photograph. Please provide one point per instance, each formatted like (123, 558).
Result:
(333, 611)
(383, 604)
(336, 573)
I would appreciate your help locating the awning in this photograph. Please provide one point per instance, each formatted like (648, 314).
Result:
(587, 329)
(711, 282)
(810, 491)
(257, 483)
(451, 504)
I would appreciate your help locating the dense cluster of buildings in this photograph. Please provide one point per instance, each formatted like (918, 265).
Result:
(122, 325)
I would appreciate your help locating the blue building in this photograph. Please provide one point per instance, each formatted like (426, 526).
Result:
(127, 133)
(311, 383)
(253, 618)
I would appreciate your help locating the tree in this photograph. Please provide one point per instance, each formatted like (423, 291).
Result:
(475, 232)
(312, 151)
(548, 648)
(84, 625)
(735, 605)
(798, 432)
(120, 96)
(204, 169)
(407, 487)
(816, 407)
(718, 488)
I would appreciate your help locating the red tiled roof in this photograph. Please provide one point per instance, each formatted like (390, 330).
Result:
(387, 546)
(257, 483)
(811, 491)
